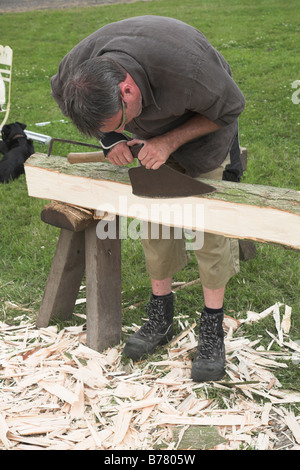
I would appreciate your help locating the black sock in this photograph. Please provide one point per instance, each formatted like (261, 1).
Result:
(213, 310)
(161, 296)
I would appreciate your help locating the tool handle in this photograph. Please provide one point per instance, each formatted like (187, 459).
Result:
(89, 157)
(86, 157)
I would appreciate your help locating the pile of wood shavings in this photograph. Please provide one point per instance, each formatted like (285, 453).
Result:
(56, 393)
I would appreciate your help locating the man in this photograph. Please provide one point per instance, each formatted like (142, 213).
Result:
(162, 81)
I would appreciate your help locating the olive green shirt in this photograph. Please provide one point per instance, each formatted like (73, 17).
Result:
(179, 74)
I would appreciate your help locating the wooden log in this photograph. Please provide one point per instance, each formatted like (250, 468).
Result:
(64, 278)
(103, 290)
(68, 217)
(237, 210)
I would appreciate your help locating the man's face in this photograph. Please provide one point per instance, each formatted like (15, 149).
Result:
(131, 108)
(118, 122)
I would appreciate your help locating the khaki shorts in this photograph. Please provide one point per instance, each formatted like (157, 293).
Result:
(218, 259)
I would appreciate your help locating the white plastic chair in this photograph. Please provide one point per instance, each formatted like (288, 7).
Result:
(6, 57)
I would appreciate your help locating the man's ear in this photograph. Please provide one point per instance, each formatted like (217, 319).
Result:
(128, 89)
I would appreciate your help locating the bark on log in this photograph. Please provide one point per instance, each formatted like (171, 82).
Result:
(237, 210)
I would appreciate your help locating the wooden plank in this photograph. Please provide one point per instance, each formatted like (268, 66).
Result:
(64, 278)
(103, 290)
(235, 210)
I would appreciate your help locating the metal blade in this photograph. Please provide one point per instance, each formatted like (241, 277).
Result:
(165, 183)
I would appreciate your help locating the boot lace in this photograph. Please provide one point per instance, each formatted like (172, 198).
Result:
(210, 337)
(156, 314)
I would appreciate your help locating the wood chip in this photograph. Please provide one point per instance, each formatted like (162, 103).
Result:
(58, 394)
(294, 426)
(3, 432)
(286, 320)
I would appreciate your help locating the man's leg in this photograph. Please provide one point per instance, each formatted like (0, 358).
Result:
(162, 287)
(213, 298)
(218, 261)
(164, 257)
(158, 329)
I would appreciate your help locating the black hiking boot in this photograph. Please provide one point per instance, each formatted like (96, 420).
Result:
(209, 361)
(158, 330)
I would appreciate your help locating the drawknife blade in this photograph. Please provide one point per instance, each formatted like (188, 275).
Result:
(165, 182)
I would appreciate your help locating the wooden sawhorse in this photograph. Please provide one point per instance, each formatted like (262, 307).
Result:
(80, 251)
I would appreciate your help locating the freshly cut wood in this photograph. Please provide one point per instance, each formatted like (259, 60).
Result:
(3, 432)
(59, 391)
(236, 210)
(294, 426)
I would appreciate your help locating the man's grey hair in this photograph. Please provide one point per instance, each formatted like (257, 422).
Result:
(92, 95)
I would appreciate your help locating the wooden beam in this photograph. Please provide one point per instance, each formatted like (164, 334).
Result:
(103, 290)
(64, 278)
(79, 249)
(237, 210)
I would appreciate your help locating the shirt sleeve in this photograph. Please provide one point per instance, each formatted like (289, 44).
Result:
(215, 94)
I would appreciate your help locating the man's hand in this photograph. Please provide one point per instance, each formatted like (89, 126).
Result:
(154, 153)
(157, 150)
(120, 154)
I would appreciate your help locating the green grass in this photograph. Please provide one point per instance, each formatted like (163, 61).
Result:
(260, 41)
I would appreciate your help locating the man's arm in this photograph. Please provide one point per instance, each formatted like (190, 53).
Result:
(157, 150)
